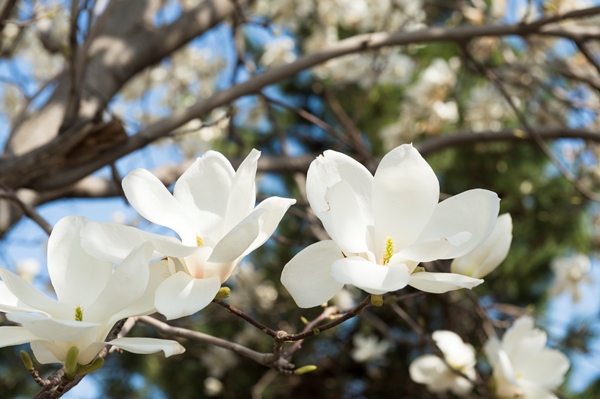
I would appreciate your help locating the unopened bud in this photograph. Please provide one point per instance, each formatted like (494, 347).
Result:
(303, 320)
(93, 366)
(223, 293)
(71, 361)
(377, 300)
(305, 369)
(27, 360)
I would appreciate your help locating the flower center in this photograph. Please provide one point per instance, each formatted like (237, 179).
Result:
(389, 251)
(78, 313)
(199, 241)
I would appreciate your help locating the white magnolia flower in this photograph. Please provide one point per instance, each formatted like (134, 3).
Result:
(569, 272)
(434, 372)
(369, 348)
(212, 209)
(523, 366)
(382, 226)
(91, 298)
(487, 257)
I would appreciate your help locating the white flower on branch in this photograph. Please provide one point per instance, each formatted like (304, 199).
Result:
(569, 273)
(91, 298)
(367, 349)
(487, 257)
(212, 209)
(523, 366)
(383, 226)
(435, 373)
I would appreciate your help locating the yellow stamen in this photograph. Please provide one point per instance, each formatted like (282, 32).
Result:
(199, 241)
(389, 251)
(78, 313)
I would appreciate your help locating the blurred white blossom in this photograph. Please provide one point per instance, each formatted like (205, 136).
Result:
(28, 269)
(367, 349)
(569, 272)
(212, 386)
(434, 372)
(278, 51)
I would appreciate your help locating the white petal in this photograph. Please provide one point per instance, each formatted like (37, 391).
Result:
(405, 194)
(344, 220)
(473, 211)
(46, 352)
(205, 187)
(148, 345)
(114, 242)
(487, 256)
(154, 202)
(438, 283)
(182, 295)
(14, 335)
(427, 369)
(546, 368)
(242, 196)
(329, 169)
(308, 276)
(238, 240)
(10, 303)
(455, 351)
(31, 297)
(523, 340)
(427, 251)
(126, 285)
(371, 277)
(76, 276)
(86, 355)
(52, 329)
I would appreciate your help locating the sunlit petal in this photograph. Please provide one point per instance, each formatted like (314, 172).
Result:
(242, 196)
(182, 295)
(148, 345)
(373, 278)
(438, 283)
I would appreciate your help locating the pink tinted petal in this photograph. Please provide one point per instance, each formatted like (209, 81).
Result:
(473, 211)
(76, 276)
(148, 345)
(242, 197)
(373, 278)
(308, 278)
(205, 188)
(344, 220)
(155, 203)
(181, 295)
(329, 169)
(405, 194)
(438, 283)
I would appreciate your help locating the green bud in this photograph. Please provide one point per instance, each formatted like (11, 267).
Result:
(71, 361)
(303, 320)
(224, 292)
(377, 300)
(305, 369)
(93, 366)
(316, 331)
(27, 360)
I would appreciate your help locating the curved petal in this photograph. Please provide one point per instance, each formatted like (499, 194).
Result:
(46, 352)
(182, 295)
(455, 351)
(31, 297)
(486, 257)
(114, 242)
(473, 211)
(308, 278)
(87, 354)
(15, 335)
(155, 203)
(52, 329)
(426, 369)
(438, 283)
(10, 303)
(242, 196)
(523, 340)
(371, 277)
(427, 251)
(405, 195)
(205, 187)
(344, 220)
(76, 276)
(126, 285)
(329, 169)
(148, 345)
(546, 368)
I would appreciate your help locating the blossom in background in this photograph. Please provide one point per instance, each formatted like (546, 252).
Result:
(523, 366)
(382, 226)
(568, 273)
(435, 373)
(487, 257)
(91, 298)
(278, 51)
(369, 348)
(212, 209)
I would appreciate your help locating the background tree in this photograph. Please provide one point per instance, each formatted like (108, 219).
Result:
(484, 89)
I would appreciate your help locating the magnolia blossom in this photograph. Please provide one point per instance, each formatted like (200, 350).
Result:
(91, 298)
(435, 373)
(487, 257)
(523, 366)
(382, 226)
(212, 209)
(569, 272)
(369, 348)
